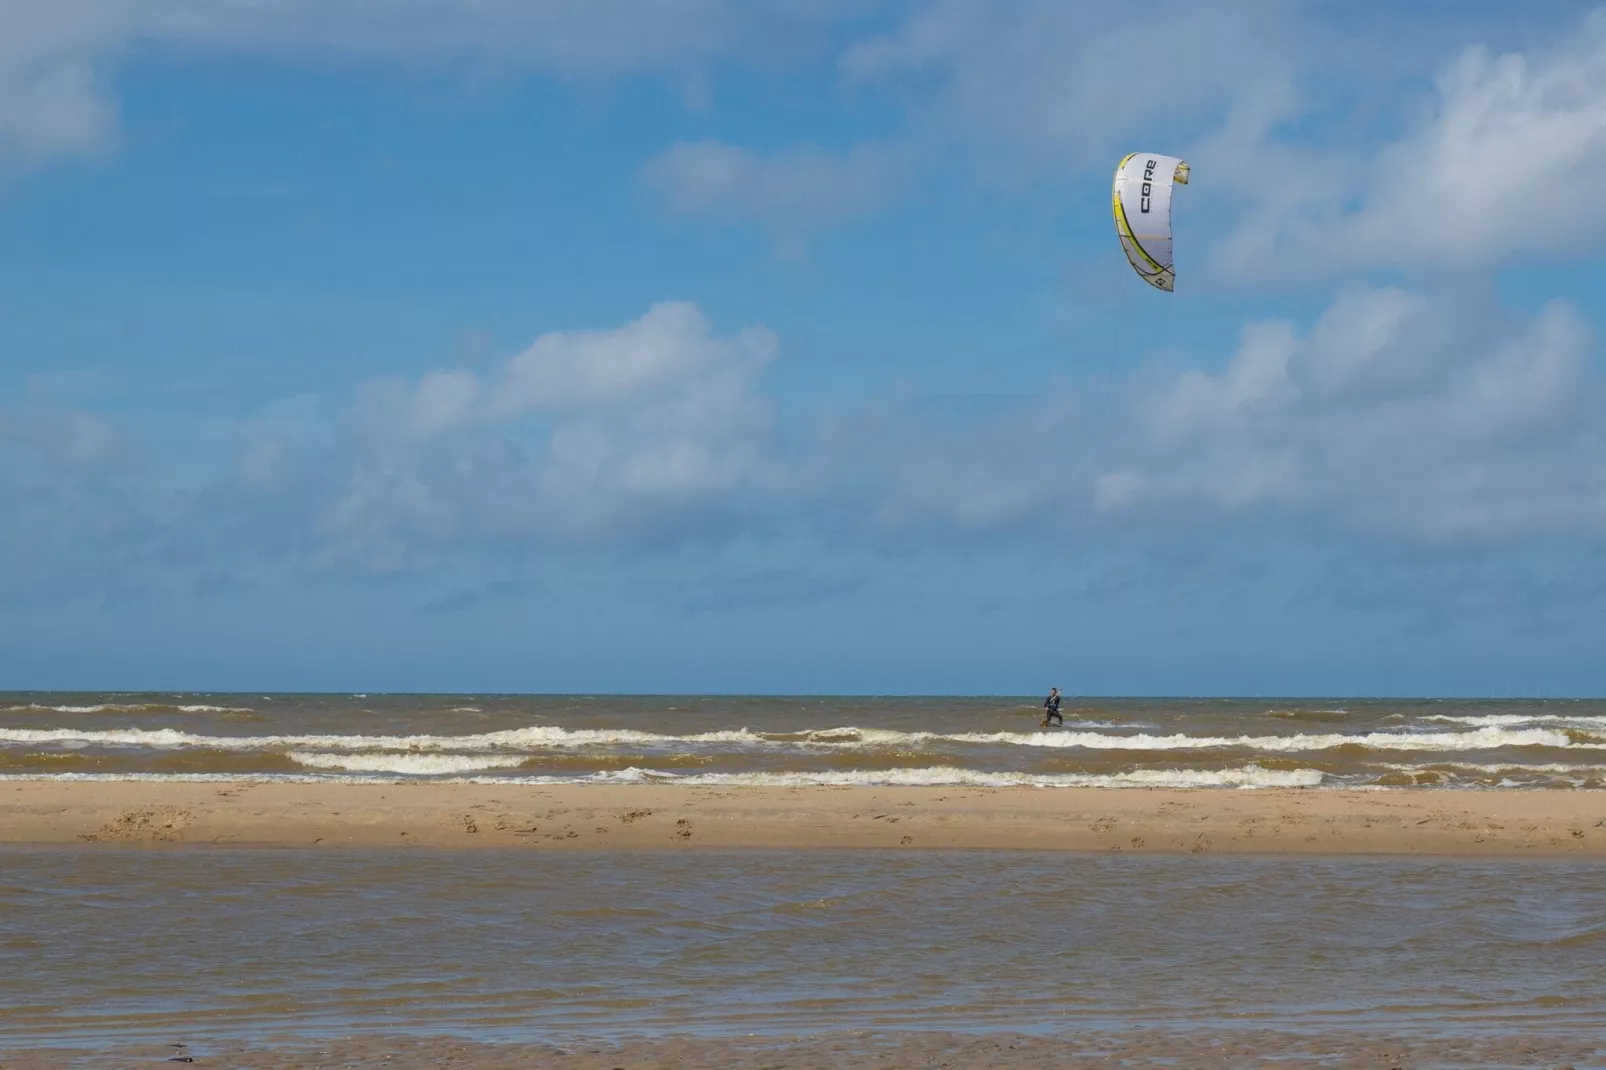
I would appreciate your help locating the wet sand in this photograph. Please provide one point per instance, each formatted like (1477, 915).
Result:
(637, 817)
(1204, 1049)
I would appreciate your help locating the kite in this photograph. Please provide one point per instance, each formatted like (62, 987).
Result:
(1142, 205)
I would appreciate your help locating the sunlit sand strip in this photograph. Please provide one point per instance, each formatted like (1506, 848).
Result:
(678, 817)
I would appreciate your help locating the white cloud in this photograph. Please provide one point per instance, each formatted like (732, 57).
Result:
(649, 364)
(52, 98)
(1407, 417)
(1410, 418)
(442, 401)
(55, 55)
(614, 435)
(671, 344)
(53, 442)
(1279, 107)
(1502, 164)
(1045, 84)
(1033, 88)
(1508, 163)
(1394, 414)
(661, 408)
(1256, 380)
(791, 192)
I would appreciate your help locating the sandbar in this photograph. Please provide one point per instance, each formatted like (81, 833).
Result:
(336, 815)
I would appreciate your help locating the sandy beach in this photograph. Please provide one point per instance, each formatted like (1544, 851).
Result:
(640, 817)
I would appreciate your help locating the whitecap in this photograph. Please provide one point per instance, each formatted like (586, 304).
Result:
(406, 764)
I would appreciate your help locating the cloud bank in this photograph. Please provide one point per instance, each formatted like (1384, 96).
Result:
(648, 431)
(1500, 166)
(1409, 418)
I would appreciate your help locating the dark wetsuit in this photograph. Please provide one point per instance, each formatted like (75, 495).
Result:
(1051, 710)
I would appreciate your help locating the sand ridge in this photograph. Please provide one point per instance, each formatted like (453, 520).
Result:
(669, 817)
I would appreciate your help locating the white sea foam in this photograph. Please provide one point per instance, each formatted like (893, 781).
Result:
(537, 738)
(1561, 768)
(197, 778)
(1553, 719)
(848, 735)
(135, 707)
(1496, 719)
(1481, 739)
(408, 764)
(1249, 777)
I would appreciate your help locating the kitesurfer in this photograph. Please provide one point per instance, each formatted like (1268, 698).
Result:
(1051, 708)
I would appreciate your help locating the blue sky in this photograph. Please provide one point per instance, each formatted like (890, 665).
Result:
(703, 345)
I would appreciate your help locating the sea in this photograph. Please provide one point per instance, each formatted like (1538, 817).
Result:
(104, 946)
(794, 741)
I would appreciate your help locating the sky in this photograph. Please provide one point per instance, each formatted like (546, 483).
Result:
(786, 346)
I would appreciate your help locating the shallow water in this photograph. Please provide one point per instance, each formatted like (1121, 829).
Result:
(809, 740)
(185, 945)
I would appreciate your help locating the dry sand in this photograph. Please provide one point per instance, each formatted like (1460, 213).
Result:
(634, 817)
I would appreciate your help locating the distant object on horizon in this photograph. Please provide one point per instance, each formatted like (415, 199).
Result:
(1141, 200)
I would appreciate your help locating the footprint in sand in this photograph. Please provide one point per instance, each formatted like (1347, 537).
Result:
(682, 829)
(504, 824)
(163, 824)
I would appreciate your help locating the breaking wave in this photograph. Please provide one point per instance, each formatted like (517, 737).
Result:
(406, 764)
(543, 737)
(1250, 776)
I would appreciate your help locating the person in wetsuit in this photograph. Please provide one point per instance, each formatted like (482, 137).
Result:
(1051, 708)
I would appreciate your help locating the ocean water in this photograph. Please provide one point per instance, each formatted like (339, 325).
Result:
(1441, 743)
(199, 945)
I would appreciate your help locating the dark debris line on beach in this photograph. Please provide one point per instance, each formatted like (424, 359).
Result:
(1206, 1050)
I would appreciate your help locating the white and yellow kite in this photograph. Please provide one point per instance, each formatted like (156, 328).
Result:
(1142, 204)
